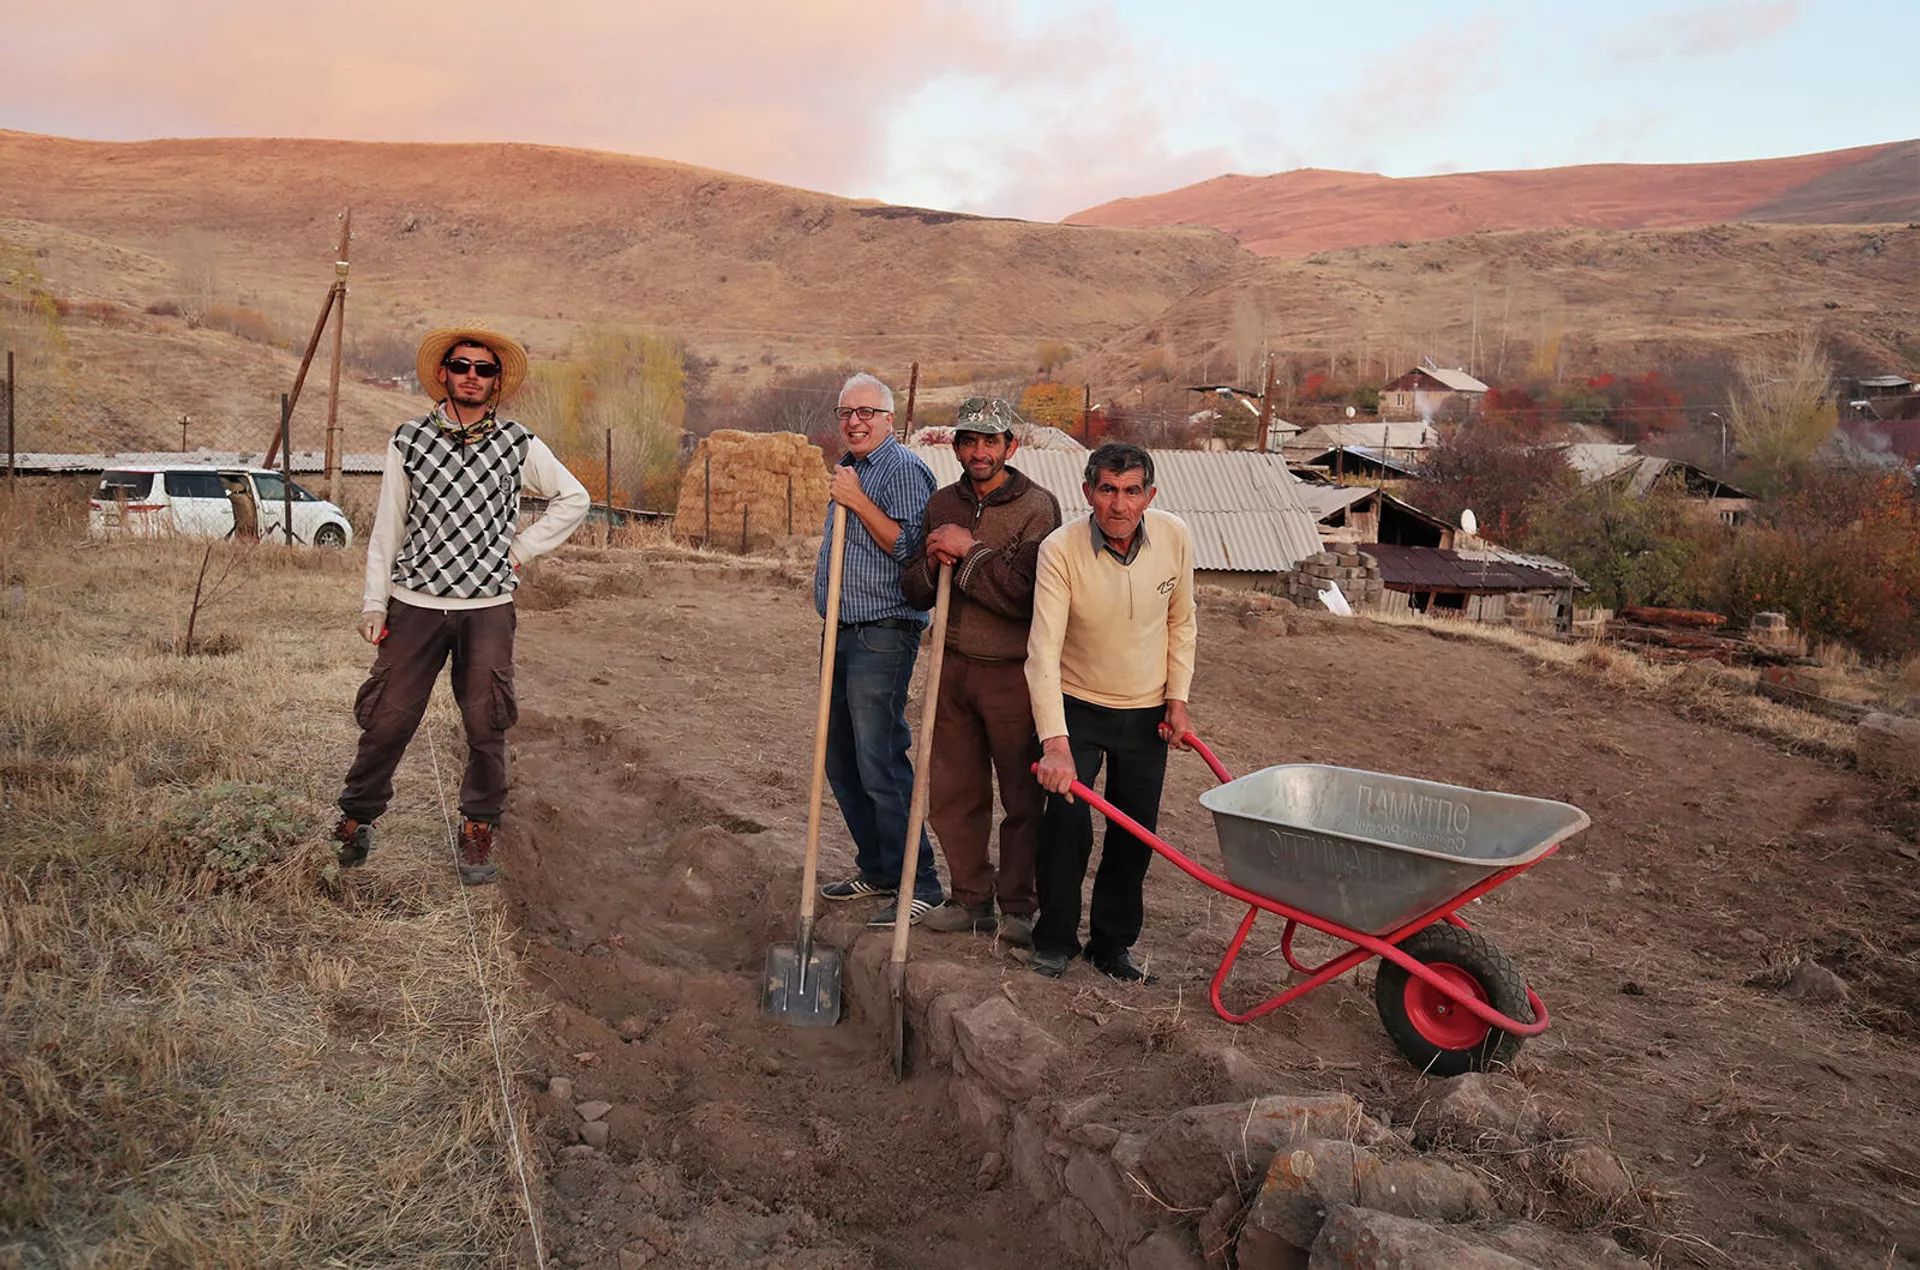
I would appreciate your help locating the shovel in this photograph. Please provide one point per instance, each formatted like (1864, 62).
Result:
(916, 816)
(802, 981)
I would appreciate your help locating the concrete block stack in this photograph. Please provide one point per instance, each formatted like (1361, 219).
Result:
(1356, 573)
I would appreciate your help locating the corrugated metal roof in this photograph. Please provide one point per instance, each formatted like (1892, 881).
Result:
(1244, 509)
(1431, 568)
(299, 461)
(1390, 435)
(1458, 380)
(1324, 500)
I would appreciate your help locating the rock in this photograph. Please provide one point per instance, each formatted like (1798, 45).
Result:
(1301, 1187)
(1219, 1228)
(634, 1256)
(634, 1027)
(1887, 746)
(1116, 1203)
(1590, 1176)
(1037, 1171)
(1009, 1050)
(1815, 984)
(936, 1037)
(560, 1089)
(928, 981)
(1360, 1239)
(578, 1151)
(1430, 1190)
(1070, 1113)
(1198, 1152)
(1079, 1233)
(1475, 1111)
(593, 1110)
(1542, 1246)
(595, 1134)
(992, 1165)
(1100, 1137)
(980, 1110)
(1169, 1248)
(1240, 1075)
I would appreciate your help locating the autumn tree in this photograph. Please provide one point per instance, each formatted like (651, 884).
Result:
(1498, 475)
(1055, 405)
(1629, 548)
(1051, 355)
(627, 384)
(1780, 412)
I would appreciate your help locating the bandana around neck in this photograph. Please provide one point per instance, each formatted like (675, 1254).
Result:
(464, 433)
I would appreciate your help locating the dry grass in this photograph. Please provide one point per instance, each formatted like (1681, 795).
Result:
(1725, 697)
(214, 1051)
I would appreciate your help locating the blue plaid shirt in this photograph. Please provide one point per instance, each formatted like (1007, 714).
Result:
(896, 479)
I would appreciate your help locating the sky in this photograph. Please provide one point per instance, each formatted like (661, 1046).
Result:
(1030, 108)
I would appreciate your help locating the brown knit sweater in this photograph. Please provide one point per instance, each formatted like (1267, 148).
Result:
(992, 601)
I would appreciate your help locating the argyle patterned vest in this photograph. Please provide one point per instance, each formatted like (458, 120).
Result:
(462, 506)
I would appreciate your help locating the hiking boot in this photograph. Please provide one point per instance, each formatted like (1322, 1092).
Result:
(476, 853)
(356, 840)
(1017, 929)
(954, 916)
(856, 888)
(917, 909)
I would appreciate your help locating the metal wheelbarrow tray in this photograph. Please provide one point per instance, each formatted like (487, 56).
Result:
(1382, 863)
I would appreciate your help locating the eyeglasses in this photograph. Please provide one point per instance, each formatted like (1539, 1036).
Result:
(844, 413)
(462, 366)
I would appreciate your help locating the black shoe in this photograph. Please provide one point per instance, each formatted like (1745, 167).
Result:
(855, 888)
(1120, 966)
(356, 840)
(1050, 964)
(884, 918)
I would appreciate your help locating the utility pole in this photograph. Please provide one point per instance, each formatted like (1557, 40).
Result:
(1086, 413)
(335, 294)
(10, 460)
(184, 420)
(1266, 409)
(333, 376)
(913, 386)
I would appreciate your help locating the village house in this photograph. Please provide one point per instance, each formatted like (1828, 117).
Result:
(1430, 392)
(1624, 465)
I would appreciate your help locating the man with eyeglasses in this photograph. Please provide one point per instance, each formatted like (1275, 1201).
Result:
(441, 564)
(885, 489)
(988, 525)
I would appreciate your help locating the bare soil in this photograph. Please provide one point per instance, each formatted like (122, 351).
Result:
(653, 852)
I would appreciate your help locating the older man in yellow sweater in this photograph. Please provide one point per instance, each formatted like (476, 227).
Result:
(1109, 666)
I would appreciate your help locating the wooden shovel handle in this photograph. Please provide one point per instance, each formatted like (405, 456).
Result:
(923, 765)
(836, 560)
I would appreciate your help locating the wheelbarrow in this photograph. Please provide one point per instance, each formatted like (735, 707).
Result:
(1382, 863)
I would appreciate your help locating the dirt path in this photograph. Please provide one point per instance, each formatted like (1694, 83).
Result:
(661, 772)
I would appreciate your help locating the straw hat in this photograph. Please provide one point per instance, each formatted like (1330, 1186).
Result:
(433, 349)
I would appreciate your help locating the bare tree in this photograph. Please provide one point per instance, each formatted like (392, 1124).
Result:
(196, 275)
(1780, 412)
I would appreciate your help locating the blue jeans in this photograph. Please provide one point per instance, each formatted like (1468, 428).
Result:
(867, 753)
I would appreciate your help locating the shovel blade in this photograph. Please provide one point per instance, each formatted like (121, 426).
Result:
(803, 992)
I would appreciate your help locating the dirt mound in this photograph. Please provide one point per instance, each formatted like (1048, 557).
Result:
(1297, 213)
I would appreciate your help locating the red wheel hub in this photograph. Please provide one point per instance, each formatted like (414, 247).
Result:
(1440, 1019)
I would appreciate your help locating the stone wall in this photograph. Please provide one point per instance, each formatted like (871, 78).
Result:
(1279, 1180)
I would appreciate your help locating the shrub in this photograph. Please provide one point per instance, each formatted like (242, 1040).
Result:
(231, 831)
(248, 324)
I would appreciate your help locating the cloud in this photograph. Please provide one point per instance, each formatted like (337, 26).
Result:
(1708, 30)
(1425, 83)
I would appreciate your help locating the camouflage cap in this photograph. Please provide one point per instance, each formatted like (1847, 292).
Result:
(985, 414)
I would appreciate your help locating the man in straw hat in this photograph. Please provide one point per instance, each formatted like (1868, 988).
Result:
(988, 526)
(441, 565)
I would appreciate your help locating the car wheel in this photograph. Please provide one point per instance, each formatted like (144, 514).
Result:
(329, 536)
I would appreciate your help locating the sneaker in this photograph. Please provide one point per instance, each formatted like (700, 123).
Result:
(1120, 966)
(1017, 929)
(954, 916)
(856, 888)
(1050, 964)
(916, 910)
(356, 840)
(476, 853)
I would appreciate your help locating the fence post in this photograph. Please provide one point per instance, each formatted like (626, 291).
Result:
(789, 504)
(913, 386)
(607, 538)
(286, 468)
(707, 537)
(743, 529)
(10, 460)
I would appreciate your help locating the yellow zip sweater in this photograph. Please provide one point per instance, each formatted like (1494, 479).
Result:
(1118, 635)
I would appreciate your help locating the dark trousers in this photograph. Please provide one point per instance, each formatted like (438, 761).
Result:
(983, 727)
(868, 760)
(1129, 741)
(393, 700)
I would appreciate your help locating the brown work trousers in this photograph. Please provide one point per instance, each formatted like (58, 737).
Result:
(393, 700)
(983, 727)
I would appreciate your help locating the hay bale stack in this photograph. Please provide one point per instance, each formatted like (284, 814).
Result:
(752, 470)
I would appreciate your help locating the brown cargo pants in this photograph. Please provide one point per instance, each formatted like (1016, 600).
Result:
(393, 700)
(984, 727)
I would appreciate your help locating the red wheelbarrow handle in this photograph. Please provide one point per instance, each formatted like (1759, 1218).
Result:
(1365, 945)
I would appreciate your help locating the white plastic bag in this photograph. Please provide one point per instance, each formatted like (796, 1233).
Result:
(1336, 602)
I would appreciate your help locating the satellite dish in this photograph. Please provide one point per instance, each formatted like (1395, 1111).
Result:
(1351, 412)
(1469, 522)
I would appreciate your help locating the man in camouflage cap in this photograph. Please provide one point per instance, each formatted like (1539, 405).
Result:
(988, 526)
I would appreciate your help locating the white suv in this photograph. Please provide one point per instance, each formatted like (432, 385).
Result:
(197, 500)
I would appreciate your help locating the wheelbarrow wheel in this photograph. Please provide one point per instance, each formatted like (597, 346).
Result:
(1433, 1031)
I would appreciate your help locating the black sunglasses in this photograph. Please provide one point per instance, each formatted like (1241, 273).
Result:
(461, 366)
